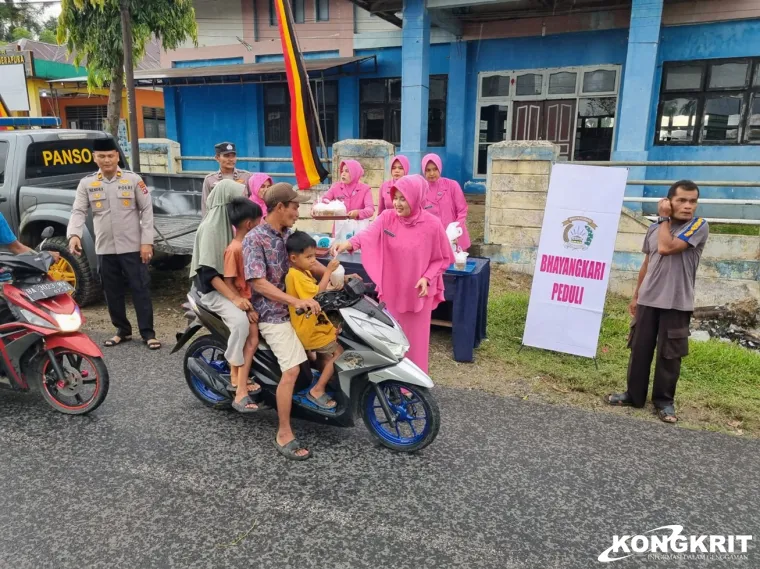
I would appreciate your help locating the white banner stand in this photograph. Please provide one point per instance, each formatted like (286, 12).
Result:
(574, 258)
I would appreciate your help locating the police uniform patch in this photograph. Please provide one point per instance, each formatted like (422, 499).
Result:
(97, 196)
(96, 184)
(126, 194)
(98, 205)
(126, 203)
(125, 182)
(143, 187)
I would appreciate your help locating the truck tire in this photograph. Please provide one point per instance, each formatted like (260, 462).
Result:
(75, 269)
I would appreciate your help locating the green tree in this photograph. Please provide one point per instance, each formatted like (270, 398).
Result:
(48, 36)
(15, 14)
(92, 29)
(20, 34)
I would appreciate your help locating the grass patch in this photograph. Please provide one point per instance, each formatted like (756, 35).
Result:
(734, 229)
(719, 385)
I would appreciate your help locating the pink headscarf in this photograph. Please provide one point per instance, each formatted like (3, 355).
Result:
(397, 252)
(445, 199)
(384, 196)
(254, 185)
(356, 171)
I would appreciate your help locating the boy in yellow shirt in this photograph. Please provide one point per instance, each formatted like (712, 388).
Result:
(315, 332)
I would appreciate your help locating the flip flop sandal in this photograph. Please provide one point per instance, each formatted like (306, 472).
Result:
(111, 342)
(289, 450)
(322, 401)
(242, 405)
(667, 415)
(153, 344)
(619, 400)
(233, 388)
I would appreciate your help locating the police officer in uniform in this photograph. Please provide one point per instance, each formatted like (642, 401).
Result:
(122, 213)
(226, 155)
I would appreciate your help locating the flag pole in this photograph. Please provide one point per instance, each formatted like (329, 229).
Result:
(289, 8)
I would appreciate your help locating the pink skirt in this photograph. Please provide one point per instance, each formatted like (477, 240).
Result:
(416, 326)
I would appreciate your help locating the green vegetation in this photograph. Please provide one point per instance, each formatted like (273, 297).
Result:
(734, 229)
(719, 385)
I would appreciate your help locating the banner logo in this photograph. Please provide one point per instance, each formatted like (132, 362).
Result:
(579, 232)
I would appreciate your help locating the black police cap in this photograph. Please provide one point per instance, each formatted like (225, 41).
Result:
(225, 147)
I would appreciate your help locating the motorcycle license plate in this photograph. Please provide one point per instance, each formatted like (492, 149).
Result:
(47, 289)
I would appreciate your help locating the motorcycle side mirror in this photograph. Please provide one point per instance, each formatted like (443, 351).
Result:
(47, 233)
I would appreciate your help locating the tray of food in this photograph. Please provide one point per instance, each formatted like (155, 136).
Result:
(331, 211)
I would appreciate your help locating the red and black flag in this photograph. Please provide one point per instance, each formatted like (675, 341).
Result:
(309, 170)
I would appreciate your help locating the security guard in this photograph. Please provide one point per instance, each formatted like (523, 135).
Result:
(226, 155)
(122, 213)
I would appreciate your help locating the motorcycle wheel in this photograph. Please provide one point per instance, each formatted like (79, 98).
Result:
(211, 351)
(83, 390)
(418, 419)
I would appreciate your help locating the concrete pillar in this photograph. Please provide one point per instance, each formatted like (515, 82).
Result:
(516, 188)
(415, 81)
(456, 111)
(253, 96)
(637, 93)
(348, 107)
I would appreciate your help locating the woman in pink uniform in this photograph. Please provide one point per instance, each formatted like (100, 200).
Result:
(257, 185)
(399, 168)
(445, 198)
(405, 252)
(357, 197)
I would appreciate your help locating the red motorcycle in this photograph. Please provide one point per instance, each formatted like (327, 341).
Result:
(40, 341)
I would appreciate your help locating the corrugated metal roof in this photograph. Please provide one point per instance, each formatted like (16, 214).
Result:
(57, 53)
(236, 73)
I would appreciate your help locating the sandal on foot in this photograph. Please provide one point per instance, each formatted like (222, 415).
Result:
(116, 340)
(153, 344)
(289, 450)
(243, 406)
(667, 414)
(619, 400)
(257, 389)
(323, 401)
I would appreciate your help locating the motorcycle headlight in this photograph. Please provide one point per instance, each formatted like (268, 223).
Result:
(35, 320)
(69, 322)
(398, 350)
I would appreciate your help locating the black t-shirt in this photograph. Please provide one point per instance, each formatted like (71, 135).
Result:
(203, 277)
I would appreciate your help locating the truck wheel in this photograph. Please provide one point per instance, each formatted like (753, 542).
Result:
(74, 269)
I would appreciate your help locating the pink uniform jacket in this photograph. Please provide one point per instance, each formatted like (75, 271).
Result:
(355, 195)
(445, 200)
(385, 200)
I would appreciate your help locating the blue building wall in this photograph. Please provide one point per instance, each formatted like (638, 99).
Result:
(706, 41)
(198, 117)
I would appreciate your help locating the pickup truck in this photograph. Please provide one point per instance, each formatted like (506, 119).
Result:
(39, 174)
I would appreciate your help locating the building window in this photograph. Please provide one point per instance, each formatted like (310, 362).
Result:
(154, 122)
(272, 14)
(574, 107)
(86, 118)
(277, 112)
(322, 9)
(299, 12)
(710, 102)
(380, 110)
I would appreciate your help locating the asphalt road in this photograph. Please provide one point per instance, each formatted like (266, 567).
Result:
(154, 479)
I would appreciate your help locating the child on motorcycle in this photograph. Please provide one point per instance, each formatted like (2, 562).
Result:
(316, 333)
(217, 269)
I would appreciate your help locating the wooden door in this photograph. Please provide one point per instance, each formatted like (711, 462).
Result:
(559, 119)
(527, 120)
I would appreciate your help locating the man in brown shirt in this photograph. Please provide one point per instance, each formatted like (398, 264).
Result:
(664, 300)
(226, 155)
